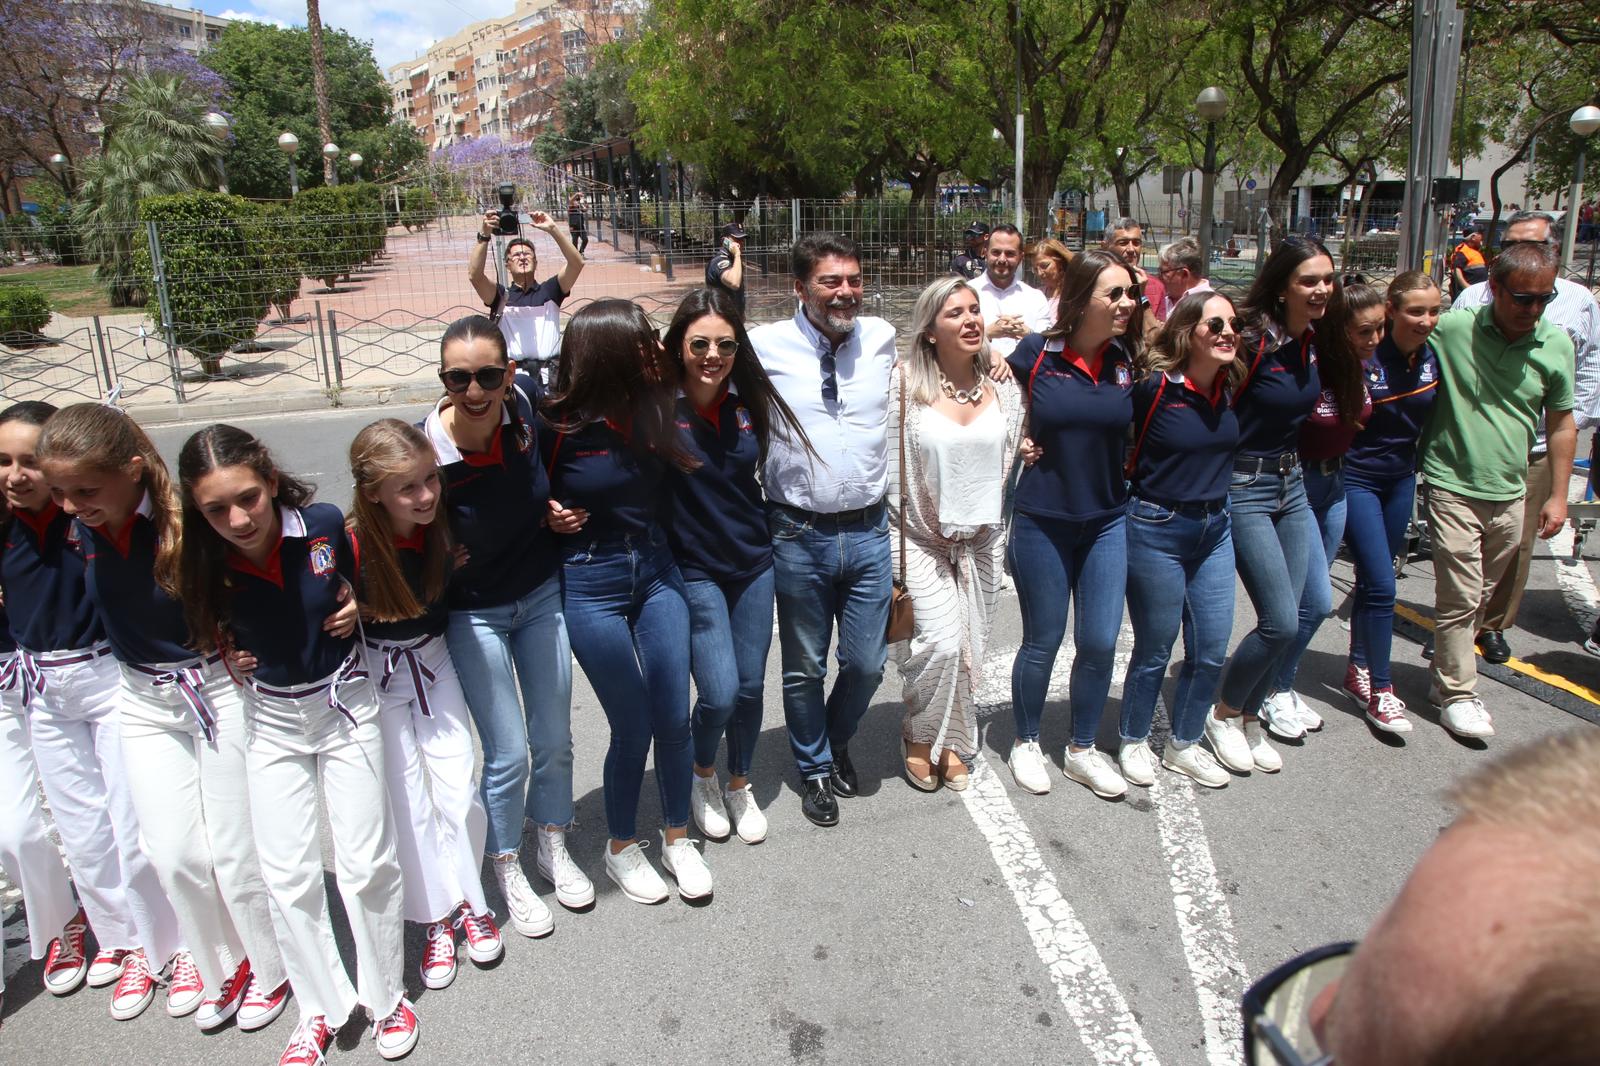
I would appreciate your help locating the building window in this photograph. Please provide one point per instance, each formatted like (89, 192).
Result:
(186, 31)
(572, 40)
(616, 33)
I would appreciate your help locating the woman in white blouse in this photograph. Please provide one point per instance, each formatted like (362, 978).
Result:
(960, 434)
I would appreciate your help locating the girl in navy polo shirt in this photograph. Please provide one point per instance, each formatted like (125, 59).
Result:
(609, 435)
(1381, 485)
(1068, 539)
(1347, 336)
(1180, 546)
(405, 559)
(718, 531)
(1272, 524)
(262, 569)
(71, 690)
(183, 719)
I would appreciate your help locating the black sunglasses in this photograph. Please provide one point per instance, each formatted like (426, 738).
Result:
(488, 378)
(1132, 292)
(727, 347)
(1277, 1008)
(1532, 299)
(1216, 322)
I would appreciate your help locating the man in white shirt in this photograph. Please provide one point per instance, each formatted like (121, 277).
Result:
(1574, 310)
(830, 531)
(1011, 307)
(1181, 273)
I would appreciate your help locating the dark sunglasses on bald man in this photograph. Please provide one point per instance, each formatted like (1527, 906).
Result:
(488, 378)
(1531, 299)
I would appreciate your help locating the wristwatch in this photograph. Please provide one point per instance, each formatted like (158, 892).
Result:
(483, 238)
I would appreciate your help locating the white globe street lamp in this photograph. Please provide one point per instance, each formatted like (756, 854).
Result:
(1211, 105)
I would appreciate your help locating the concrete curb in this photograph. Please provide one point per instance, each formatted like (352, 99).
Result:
(284, 403)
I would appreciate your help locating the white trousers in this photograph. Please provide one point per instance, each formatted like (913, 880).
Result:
(427, 740)
(193, 804)
(290, 742)
(77, 745)
(25, 849)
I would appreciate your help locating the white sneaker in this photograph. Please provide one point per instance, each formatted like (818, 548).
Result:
(1028, 768)
(1137, 763)
(1467, 718)
(634, 875)
(528, 913)
(1090, 767)
(1310, 719)
(745, 813)
(1262, 754)
(685, 863)
(705, 803)
(1195, 762)
(1278, 715)
(555, 864)
(1228, 743)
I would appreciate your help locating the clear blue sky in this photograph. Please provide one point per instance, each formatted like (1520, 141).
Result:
(397, 29)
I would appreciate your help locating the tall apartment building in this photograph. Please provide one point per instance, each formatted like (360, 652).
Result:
(188, 28)
(503, 76)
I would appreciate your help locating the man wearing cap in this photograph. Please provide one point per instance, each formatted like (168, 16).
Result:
(726, 269)
(969, 263)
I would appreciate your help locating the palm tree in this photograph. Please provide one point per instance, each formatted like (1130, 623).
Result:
(319, 86)
(156, 142)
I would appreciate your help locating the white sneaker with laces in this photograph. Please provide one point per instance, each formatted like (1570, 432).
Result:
(1090, 767)
(529, 915)
(685, 863)
(745, 812)
(1262, 754)
(634, 875)
(1467, 718)
(1137, 762)
(1310, 719)
(1196, 763)
(705, 803)
(1278, 715)
(1228, 743)
(555, 864)
(1028, 767)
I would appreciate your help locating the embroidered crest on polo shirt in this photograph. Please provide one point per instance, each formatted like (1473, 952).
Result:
(1124, 376)
(742, 417)
(321, 557)
(1426, 374)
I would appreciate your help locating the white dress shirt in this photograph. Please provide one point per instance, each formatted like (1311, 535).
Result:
(1018, 298)
(850, 434)
(1574, 309)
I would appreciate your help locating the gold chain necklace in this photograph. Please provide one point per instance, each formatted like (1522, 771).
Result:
(974, 395)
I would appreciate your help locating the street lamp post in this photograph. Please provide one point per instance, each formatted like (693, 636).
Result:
(1210, 105)
(289, 144)
(330, 152)
(355, 164)
(1584, 122)
(218, 123)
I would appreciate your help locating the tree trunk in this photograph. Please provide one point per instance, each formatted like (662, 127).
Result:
(319, 81)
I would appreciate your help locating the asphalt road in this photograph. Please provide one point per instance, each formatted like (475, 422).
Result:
(989, 926)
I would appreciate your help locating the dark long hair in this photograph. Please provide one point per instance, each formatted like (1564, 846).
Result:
(203, 564)
(30, 413)
(1337, 362)
(610, 368)
(748, 377)
(1264, 302)
(1078, 281)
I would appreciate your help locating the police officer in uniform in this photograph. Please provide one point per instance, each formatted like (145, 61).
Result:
(969, 263)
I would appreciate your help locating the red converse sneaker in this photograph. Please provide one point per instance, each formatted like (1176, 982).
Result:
(439, 956)
(1387, 713)
(397, 1034)
(135, 990)
(483, 936)
(217, 1009)
(65, 966)
(107, 967)
(1358, 684)
(310, 1039)
(185, 990)
(261, 1006)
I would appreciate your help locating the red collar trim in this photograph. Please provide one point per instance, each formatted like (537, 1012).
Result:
(495, 456)
(713, 414)
(39, 522)
(622, 429)
(1091, 369)
(1215, 396)
(120, 539)
(414, 542)
(272, 571)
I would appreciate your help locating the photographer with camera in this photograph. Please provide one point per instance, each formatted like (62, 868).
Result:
(528, 313)
(726, 269)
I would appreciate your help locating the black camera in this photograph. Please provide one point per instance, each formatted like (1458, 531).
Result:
(508, 226)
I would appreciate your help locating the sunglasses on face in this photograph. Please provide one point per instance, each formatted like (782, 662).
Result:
(1531, 299)
(488, 378)
(727, 347)
(1214, 325)
(1113, 295)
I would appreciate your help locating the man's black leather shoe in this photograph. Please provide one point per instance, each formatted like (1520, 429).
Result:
(844, 774)
(1492, 643)
(817, 802)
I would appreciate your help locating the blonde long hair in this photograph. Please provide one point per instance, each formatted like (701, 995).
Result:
(381, 450)
(922, 362)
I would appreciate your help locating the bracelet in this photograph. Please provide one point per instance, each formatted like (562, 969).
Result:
(483, 238)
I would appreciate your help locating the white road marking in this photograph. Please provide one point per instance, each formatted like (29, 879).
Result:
(1577, 583)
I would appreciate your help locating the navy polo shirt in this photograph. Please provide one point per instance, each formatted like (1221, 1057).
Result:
(1079, 413)
(496, 503)
(1187, 440)
(144, 624)
(719, 265)
(1278, 395)
(715, 521)
(1403, 389)
(409, 554)
(43, 570)
(276, 611)
(530, 319)
(598, 470)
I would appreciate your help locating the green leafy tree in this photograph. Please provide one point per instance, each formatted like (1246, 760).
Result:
(329, 243)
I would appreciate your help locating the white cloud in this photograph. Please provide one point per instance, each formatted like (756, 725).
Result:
(397, 29)
(251, 16)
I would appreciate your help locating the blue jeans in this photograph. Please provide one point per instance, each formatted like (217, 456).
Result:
(1185, 551)
(1053, 561)
(1325, 495)
(1378, 514)
(826, 571)
(730, 632)
(629, 621)
(499, 652)
(1272, 536)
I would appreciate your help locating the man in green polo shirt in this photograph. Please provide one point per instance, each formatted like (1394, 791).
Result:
(1499, 366)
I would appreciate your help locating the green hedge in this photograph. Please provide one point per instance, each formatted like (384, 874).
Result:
(24, 312)
(272, 234)
(418, 207)
(327, 241)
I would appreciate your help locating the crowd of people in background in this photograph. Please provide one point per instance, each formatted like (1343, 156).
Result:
(198, 660)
